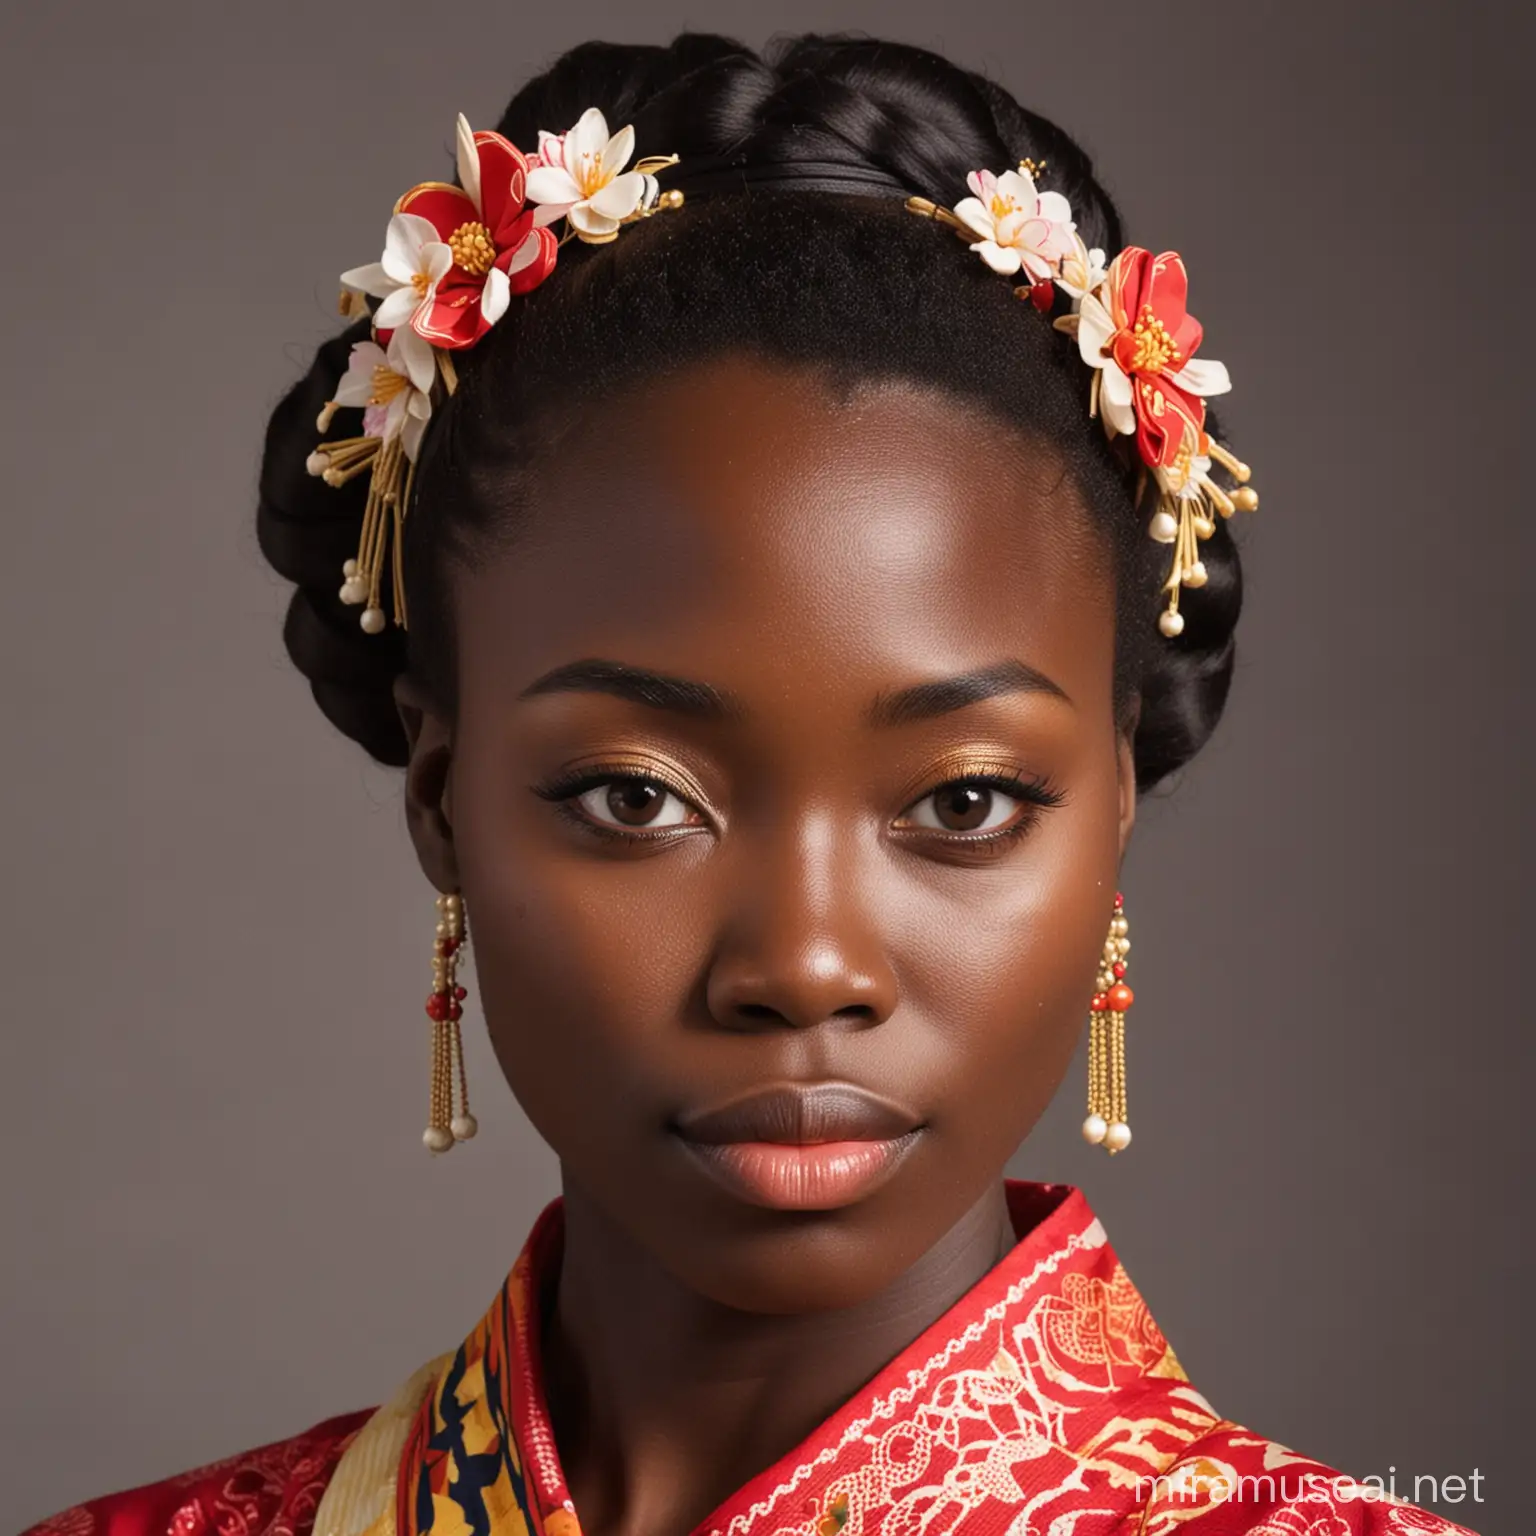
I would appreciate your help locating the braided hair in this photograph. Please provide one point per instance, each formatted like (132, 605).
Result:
(819, 273)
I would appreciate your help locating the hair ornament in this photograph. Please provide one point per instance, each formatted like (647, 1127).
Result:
(1133, 329)
(454, 259)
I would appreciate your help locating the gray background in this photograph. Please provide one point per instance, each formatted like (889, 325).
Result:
(219, 1224)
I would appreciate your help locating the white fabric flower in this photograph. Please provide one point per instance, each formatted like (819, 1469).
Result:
(415, 260)
(393, 387)
(1082, 270)
(1187, 480)
(1095, 327)
(1019, 226)
(587, 183)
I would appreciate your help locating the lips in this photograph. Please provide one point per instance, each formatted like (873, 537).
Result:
(801, 1146)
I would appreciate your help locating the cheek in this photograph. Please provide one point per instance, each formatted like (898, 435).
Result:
(582, 971)
(1005, 985)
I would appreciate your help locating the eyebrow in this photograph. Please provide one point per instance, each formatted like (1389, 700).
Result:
(923, 701)
(678, 695)
(703, 701)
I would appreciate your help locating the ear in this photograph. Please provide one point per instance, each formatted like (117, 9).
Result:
(429, 783)
(1126, 756)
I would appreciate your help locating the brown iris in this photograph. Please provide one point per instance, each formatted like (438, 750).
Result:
(962, 807)
(634, 802)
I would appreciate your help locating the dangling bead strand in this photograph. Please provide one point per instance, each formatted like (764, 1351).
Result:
(447, 1122)
(1106, 1124)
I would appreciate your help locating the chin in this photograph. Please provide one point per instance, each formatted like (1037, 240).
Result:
(786, 1262)
(753, 1257)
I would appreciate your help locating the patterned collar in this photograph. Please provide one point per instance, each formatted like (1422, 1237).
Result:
(1046, 1389)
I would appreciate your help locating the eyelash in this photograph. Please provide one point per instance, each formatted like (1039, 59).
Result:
(1035, 794)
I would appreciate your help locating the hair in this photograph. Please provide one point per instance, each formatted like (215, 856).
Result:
(813, 274)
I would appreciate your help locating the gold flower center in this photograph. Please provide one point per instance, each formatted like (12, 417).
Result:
(473, 248)
(420, 282)
(592, 177)
(1152, 348)
(386, 385)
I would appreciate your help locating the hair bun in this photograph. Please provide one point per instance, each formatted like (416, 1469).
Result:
(306, 530)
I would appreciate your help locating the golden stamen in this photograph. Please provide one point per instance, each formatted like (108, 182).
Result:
(1153, 347)
(473, 249)
(386, 385)
(1229, 462)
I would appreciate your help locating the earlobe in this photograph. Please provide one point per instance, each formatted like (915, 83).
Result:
(429, 784)
(1126, 754)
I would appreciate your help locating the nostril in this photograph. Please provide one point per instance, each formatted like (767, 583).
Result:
(757, 1011)
(765, 1013)
(861, 1012)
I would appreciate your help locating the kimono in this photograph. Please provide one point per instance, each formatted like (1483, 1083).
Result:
(1045, 1402)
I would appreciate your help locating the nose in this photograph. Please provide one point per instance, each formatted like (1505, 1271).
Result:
(798, 946)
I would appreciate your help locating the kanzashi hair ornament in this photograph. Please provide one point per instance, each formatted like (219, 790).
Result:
(454, 258)
(1133, 329)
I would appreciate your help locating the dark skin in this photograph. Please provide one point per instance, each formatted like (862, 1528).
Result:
(821, 881)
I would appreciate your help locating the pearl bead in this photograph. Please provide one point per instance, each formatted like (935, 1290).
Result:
(1118, 1136)
(1123, 946)
(1195, 576)
(1120, 927)
(317, 463)
(353, 591)
(372, 620)
(1094, 1129)
(1164, 527)
(464, 1126)
(1171, 624)
(437, 1138)
(350, 568)
(1204, 527)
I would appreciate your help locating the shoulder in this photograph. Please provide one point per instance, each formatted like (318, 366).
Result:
(1232, 1482)
(273, 1490)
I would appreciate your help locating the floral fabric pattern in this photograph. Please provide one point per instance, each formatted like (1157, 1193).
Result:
(271, 1491)
(1046, 1402)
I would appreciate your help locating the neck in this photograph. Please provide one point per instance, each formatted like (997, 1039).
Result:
(664, 1402)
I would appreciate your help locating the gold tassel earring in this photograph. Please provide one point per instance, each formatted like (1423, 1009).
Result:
(1106, 1123)
(448, 1117)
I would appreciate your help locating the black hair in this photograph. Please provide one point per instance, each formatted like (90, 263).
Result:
(815, 271)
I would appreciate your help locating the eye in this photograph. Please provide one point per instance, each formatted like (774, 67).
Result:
(981, 805)
(619, 802)
(964, 806)
(634, 803)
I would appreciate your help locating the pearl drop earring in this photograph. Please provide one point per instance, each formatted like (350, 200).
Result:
(1106, 1123)
(445, 1125)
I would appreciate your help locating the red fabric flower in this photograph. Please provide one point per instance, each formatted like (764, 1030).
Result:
(1137, 329)
(497, 251)
(1156, 336)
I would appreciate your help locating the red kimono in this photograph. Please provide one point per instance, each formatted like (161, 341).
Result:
(1045, 1402)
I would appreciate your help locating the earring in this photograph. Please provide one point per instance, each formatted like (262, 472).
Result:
(445, 1008)
(1106, 1125)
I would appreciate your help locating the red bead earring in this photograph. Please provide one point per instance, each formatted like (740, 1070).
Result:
(445, 1007)
(1106, 1123)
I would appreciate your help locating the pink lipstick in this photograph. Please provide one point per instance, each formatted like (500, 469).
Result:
(801, 1147)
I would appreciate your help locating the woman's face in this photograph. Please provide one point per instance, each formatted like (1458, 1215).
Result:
(786, 798)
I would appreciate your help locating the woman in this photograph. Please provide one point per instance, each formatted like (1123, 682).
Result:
(794, 617)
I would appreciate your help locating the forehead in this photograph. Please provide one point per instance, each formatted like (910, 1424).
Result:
(739, 523)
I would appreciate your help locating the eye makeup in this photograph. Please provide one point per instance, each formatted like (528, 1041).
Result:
(1035, 794)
